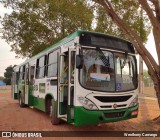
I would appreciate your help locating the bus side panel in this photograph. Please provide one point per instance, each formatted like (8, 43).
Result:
(30, 96)
(14, 86)
(39, 103)
(14, 91)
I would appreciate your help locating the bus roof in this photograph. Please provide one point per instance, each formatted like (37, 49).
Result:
(66, 39)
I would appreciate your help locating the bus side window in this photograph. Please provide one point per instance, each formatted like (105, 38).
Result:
(32, 74)
(23, 73)
(52, 64)
(27, 76)
(17, 77)
(19, 74)
(37, 68)
(40, 67)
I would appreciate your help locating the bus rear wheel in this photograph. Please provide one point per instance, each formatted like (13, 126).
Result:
(53, 113)
(21, 104)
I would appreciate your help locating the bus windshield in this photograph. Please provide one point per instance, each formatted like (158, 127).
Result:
(118, 75)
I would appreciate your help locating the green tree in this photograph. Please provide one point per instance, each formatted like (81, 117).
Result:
(8, 75)
(1, 78)
(147, 79)
(131, 15)
(34, 25)
(152, 11)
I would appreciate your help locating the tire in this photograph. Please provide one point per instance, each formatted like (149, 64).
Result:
(21, 104)
(53, 113)
(48, 102)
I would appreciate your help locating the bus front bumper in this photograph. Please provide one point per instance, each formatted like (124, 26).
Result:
(86, 117)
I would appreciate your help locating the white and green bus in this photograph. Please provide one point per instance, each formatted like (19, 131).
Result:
(86, 78)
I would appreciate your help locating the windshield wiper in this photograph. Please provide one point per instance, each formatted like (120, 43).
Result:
(103, 58)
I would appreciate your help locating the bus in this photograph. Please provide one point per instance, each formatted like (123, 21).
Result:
(85, 78)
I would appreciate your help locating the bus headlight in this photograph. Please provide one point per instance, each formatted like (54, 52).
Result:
(134, 101)
(87, 104)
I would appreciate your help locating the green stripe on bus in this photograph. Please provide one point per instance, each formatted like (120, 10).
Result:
(86, 117)
(39, 103)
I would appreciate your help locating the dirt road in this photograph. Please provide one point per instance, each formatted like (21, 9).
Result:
(14, 118)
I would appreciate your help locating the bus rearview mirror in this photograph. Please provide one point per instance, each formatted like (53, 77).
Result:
(79, 61)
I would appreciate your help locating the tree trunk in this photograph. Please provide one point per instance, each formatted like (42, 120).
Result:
(157, 88)
(157, 44)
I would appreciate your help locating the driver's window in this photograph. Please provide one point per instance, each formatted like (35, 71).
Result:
(118, 66)
(125, 69)
(32, 69)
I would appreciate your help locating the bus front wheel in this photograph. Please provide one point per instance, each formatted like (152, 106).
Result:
(53, 113)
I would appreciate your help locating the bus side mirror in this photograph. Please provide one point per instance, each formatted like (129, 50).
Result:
(79, 61)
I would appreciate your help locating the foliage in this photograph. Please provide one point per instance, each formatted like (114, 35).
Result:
(147, 79)
(8, 74)
(1, 78)
(130, 12)
(34, 25)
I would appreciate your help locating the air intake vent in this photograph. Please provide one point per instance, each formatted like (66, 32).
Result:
(110, 99)
(108, 106)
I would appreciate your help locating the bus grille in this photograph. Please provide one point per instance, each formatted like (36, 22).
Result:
(109, 106)
(110, 99)
(114, 114)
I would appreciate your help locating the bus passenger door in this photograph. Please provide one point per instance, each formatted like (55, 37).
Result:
(26, 83)
(62, 91)
(65, 92)
(14, 85)
(71, 76)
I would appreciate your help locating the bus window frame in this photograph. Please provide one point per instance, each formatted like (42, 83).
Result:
(38, 68)
(113, 51)
(47, 64)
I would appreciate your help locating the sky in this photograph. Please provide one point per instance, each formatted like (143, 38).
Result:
(150, 45)
(8, 58)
